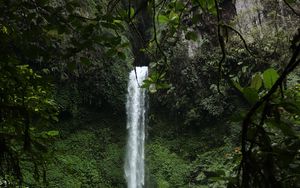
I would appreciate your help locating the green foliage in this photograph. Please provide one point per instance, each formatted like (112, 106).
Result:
(200, 153)
(167, 169)
(111, 166)
(277, 132)
(82, 46)
(209, 5)
(192, 94)
(100, 86)
(163, 19)
(191, 36)
(73, 163)
(27, 106)
(88, 152)
(251, 95)
(52, 133)
(237, 78)
(270, 76)
(256, 82)
(216, 167)
(51, 40)
(155, 81)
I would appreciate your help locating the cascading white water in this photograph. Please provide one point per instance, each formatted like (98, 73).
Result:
(136, 116)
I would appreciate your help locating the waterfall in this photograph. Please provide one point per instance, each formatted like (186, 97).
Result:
(136, 112)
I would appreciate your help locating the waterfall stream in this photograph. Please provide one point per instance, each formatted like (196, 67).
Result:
(136, 112)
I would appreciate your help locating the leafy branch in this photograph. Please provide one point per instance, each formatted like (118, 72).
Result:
(222, 46)
(245, 163)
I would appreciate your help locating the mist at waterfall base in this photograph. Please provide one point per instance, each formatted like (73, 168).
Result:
(136, 114)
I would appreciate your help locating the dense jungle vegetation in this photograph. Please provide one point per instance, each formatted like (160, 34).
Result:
(224, 92)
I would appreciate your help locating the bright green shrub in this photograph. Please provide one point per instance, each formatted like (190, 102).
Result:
(167, 168)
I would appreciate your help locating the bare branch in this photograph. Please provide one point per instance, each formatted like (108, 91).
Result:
(222, 46)
(292, 9)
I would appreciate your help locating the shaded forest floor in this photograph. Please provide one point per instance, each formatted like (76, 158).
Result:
(91, 147)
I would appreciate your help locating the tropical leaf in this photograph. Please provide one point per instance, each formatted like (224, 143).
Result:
(256, 82)
(251, 95)
(163, 19)
(270, 76)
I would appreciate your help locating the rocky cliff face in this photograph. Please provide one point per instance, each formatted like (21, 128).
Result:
(249, 14)
(264, 16)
